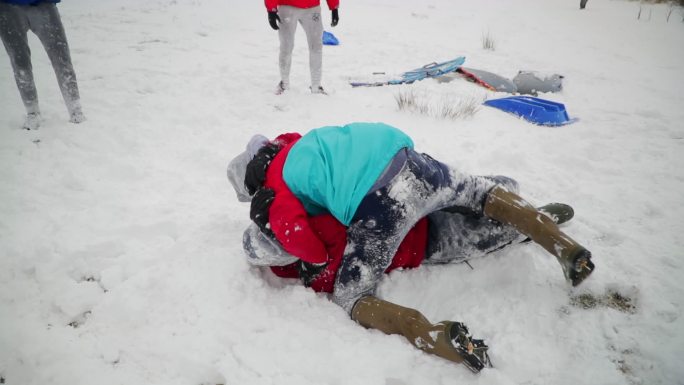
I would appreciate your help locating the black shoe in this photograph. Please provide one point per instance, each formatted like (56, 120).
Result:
(474, 352)
(578, 266)
(32, 121)
(77, 117)
(318, 90)
(280, 88)
(558, 212)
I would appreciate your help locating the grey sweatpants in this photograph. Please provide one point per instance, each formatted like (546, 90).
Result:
(45, 22)
(310, 19)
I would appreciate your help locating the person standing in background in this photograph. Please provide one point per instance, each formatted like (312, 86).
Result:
(41, 17)
(283, 16)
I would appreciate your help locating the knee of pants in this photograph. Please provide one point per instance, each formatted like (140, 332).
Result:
(508, 183)
(22, 67)
(316, 48)
(20, 59)
(286, 47)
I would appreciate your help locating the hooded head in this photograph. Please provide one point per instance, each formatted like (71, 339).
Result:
(238, 166)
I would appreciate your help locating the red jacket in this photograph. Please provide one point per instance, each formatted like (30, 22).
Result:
(288, 219)
(322, 238)
(410, 254)
(272, 5)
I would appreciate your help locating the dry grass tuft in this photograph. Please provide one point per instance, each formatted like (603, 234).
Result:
(488, 41)
(449, 107)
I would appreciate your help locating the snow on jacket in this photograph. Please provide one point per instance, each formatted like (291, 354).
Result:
(333, 234)
(272, 5)
(29, 2)
(331, 169)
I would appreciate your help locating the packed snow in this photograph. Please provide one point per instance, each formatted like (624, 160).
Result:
(120, 238)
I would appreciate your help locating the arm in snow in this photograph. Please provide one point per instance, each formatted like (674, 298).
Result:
(262, 250)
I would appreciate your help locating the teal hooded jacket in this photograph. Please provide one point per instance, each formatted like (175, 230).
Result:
(331, 169)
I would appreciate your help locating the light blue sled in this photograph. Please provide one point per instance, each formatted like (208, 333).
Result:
(427, 71)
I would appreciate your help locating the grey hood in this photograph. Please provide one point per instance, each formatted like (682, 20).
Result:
(238, 166)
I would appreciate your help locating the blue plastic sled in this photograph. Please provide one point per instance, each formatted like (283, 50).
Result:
(329, 39)
(535, 110)
(427, 71)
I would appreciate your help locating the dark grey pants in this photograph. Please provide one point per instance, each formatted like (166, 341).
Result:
(45, 22)
(454, 237)
(422, 187)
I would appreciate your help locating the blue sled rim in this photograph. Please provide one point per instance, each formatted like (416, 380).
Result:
(535, 110)
(330, 39)
(427, 71)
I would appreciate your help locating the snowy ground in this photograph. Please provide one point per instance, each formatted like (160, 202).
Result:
(120, 238)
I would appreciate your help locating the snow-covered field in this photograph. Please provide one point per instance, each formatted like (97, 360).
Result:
(120, 238)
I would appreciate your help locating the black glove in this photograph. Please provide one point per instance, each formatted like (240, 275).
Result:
(272, 17)
(335, 17)
(258, 211)
(309, 271)
(255, 174)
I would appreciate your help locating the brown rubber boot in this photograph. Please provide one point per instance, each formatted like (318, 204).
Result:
(509, 208)
(446, 339)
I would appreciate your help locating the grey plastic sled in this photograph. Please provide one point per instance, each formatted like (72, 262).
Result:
(531, 83)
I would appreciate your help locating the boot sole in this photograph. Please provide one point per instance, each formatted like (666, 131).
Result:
(578, 267)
